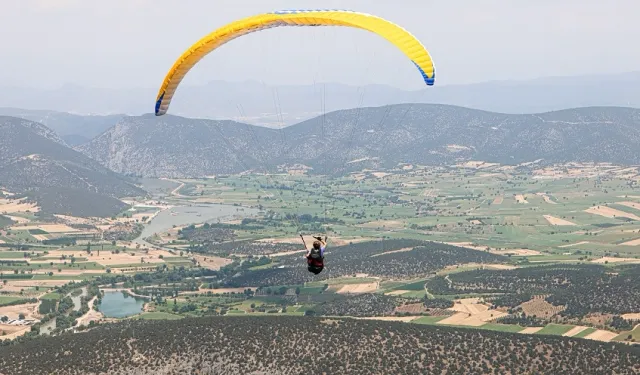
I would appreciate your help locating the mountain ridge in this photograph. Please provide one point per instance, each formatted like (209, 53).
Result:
(36, 164)
(373, 137)
(73, 129)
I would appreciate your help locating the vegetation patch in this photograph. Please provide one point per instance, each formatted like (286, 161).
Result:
(216, 343)
(158, 316)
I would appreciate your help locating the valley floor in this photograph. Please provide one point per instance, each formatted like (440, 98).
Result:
(526, 216)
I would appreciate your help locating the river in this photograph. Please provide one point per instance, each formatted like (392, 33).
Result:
(180, 215)
(76, 297)
(48, 327)
(183, 215)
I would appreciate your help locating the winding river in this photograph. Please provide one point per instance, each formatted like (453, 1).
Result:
(183, 215)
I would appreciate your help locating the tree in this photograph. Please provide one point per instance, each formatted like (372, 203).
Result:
(21, 316)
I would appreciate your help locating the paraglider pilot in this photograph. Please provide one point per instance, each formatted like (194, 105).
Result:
(315, 255)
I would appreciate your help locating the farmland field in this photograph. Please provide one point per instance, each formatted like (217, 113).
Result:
(500, 248)
(555, 329)
(560, 217)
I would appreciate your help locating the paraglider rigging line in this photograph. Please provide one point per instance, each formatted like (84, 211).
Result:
(255, 140)
(359, 108)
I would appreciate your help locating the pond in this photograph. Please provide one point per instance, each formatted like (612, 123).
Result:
(120, 305)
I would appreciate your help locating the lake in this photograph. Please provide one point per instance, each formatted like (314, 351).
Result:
(120, 305)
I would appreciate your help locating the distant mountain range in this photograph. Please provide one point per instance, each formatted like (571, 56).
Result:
(36, 163)
(73, 129)
(354, 139)
(273, 106)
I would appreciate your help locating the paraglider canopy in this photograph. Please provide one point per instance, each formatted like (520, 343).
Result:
(395, 34)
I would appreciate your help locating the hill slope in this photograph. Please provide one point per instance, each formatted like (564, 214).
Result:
(279, 345)
(359, 138)
(171, 146)
(73, 129)
(36, 163)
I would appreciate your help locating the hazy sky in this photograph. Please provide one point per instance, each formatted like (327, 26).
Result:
(133, 43)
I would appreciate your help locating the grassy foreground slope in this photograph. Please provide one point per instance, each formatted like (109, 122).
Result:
(280, 345)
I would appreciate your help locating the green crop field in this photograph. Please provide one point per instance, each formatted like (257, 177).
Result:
(12, 255)
(633, 335)
(555, 329)
(54, 296)
(6, 300)
(585, 332)
(502, 327)
(158, 316)
(5, 221)
(414, 286)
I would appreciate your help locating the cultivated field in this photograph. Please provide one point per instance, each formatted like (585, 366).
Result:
(557, 221)
(358, 288)
(471, 312)
(8, 206)
(503, 217)
(611, 212)
(540, 308)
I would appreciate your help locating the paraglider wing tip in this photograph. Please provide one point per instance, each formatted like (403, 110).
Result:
(160, 111)
(430, 81)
